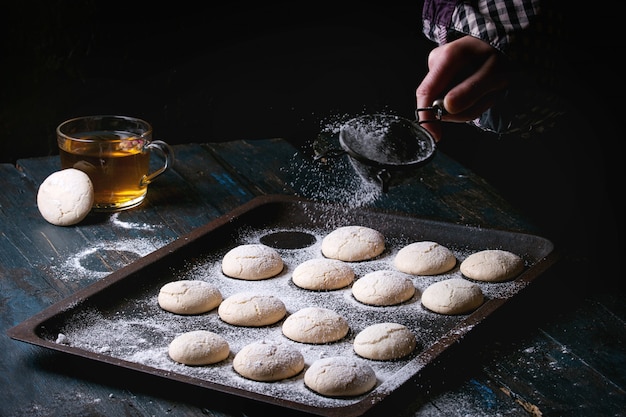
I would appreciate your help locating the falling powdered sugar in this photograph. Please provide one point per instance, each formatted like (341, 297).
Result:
(355, 162)
(331, 178)
(333, 181)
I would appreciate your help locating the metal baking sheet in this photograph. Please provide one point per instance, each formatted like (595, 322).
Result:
(117, 320)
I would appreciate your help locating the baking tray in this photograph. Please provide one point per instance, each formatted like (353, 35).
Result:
(117, 320)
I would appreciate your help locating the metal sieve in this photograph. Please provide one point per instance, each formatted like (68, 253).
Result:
(386, 149)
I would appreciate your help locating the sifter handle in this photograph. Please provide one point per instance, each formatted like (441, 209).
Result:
(437, 108)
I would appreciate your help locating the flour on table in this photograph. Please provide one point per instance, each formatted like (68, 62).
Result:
(80, 266)
(115, 220)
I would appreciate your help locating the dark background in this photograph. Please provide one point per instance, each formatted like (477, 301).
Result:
(204, 73)
(213, 72)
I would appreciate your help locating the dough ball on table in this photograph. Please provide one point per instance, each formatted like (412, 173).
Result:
(383, 288)
(189, 297)
(65, 197)
(323, 274)
(199, 347)
(452, 296)
(384, 341)
(492, 265)
(251, 310)
(353, 243)
(340, 376)
(268, 361)
(252, 262)
(424, 258)
(315, 325)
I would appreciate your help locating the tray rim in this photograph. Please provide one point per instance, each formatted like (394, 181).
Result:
(25, 331)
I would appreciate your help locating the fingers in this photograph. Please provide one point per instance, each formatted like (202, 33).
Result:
(468, 73)
(432, 88)
(470, 96)
(477, 108)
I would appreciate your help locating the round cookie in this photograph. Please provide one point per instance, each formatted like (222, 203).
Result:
(189, 297)
(198, 347)
(492, 265)
(424, 258)
(384, 341)
(452, 296)
(353, 243)
(65, 197)
(315, 325)
(268, 361)
(323, 274)
(251, 310)
(340, 376)
(252, 262)
(383, 288)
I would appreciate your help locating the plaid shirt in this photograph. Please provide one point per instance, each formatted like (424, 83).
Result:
(526, 32)
(495, 22)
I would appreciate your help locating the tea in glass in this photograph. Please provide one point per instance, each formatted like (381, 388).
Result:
(115, 152)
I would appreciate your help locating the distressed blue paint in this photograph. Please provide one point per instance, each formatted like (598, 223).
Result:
(486, 394)
(226, 180)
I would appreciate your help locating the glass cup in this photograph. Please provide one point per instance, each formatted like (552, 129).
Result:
(114, 151)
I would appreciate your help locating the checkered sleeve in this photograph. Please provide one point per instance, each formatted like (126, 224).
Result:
(494, 21)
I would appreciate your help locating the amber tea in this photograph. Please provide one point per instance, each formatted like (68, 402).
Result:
(117, 160)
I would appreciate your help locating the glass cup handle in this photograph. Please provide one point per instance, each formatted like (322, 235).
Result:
(168, 157)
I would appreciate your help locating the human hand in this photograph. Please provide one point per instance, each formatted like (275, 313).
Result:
(468, 73)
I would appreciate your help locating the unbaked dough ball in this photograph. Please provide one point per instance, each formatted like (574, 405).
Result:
(353, 243)
(251, 309)
(492, 265)
(424, 258)
(323, 274)
(199, 347)
(65, 197)
(315, 325)
(384, 341)
(189, 297)
(383, 288)
(252, 262)
(268, 361)
(340, 376)
(452, 296)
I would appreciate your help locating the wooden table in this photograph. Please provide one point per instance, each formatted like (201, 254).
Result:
(535, 357)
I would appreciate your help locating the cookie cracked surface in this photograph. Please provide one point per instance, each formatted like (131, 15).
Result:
(353, 243)
(252, 262)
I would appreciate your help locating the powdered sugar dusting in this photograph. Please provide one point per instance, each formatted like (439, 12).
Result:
(115, 219)
(332, 178)
(138, 331)
(354, 160)
(333, 181)
(98, 261)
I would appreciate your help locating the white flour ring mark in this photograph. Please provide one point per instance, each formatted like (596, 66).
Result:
(73, 268)
(128, 225)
